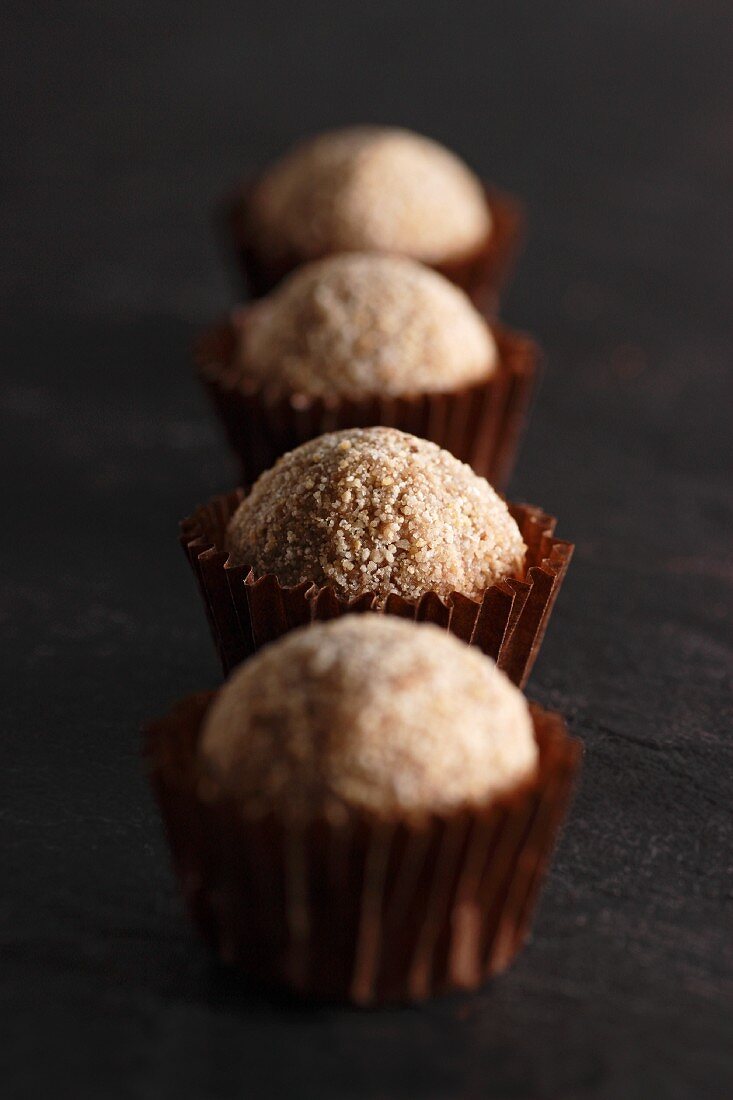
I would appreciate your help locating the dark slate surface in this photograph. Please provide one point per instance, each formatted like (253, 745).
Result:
(123, 122)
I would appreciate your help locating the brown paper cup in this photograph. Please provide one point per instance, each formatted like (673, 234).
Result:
(483, 274)
(479, 424)
(246, 612)
(359, 908)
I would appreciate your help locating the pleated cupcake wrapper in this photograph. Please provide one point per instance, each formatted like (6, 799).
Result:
(246, 612)
(357, 908)
(483, 274)
(479, 424)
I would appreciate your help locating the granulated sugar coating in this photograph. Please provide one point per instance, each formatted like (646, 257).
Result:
(367, 711)
(376, 510)
(360, 324)
(369, 188)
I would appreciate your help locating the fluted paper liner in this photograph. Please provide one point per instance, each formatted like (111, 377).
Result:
(483, 273)
(358, 908)
(479, 424)
(246, 612)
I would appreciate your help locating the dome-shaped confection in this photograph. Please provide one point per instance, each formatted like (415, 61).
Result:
(360, 324)
(369, 188)
(376, 510)
(369, 712)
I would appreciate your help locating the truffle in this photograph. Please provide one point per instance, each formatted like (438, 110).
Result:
(369, 188)
(360, 324)
(369, 712)
(376, 510)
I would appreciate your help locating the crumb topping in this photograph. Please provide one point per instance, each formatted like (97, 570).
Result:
(376, 510)
(370, 188)
(364, 323)
(367, 711)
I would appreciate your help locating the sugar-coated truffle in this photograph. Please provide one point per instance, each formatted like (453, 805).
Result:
(369, 188)
(370, 712)
(376, 510)
(359, 324)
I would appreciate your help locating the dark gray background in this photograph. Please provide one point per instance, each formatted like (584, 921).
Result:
(123, 123)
